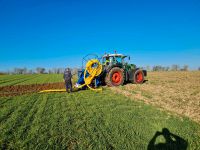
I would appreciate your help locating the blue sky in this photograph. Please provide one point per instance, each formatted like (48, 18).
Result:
(59, 33)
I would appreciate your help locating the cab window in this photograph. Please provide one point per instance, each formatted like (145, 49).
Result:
(118, 59)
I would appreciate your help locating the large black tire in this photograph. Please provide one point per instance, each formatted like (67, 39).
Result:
(115, 77)
(138, 77)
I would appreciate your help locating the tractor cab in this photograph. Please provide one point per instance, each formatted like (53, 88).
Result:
(112, 59)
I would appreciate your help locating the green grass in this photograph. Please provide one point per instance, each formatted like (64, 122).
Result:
(86, 120)
(29, 79)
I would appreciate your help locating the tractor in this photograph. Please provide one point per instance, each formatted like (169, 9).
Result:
(116, 70)
(113, 70)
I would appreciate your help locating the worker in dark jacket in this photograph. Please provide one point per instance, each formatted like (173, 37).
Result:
(68, 79)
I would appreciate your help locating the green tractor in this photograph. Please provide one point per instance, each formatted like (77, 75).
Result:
(112, 71)
(116, 71)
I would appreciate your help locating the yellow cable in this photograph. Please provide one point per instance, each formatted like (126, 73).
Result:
(53, 90)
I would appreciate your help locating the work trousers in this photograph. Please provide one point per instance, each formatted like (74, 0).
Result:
(68, 85)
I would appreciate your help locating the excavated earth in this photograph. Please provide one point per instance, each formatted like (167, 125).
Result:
(24, 89)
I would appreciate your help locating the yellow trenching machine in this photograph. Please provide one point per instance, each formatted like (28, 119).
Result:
(88, 77)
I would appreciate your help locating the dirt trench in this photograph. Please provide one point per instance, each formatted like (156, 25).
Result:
(24, 89)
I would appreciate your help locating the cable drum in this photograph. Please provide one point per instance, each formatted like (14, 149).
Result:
(94, 68)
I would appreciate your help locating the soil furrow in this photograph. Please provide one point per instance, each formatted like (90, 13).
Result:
(23, 89)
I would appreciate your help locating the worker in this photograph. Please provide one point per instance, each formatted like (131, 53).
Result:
(68, 80)
(107, 61)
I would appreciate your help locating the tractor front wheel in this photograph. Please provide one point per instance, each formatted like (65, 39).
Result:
(115, 77)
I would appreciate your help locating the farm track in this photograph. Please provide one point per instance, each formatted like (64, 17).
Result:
(24, 89)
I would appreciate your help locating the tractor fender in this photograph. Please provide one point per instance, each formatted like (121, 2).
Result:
(110, 67)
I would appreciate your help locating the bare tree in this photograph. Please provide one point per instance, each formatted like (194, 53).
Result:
(160, 68)
(185, 68)
(157, 68)
(175, 68)
(54, 70)
(30, 71)
(24, 70)
(75, 71)
(60, 70)
(167, 68)
(8, 72)
(15, 71)
(18, 71)
(40, 70)
(148, 68)
(50, 71)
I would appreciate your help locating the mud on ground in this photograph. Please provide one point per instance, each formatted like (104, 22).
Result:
(24, 89)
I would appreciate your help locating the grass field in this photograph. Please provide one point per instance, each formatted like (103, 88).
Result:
(6, 80)
(126, 117)
(86, 120)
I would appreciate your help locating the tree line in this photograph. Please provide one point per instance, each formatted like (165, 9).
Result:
(42, 70)
(38, 70)
(167, 68)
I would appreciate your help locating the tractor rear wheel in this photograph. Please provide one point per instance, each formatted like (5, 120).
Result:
(115, 77)
(138, 77)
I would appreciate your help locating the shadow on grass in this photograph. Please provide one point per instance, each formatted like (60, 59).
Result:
(172, 141)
